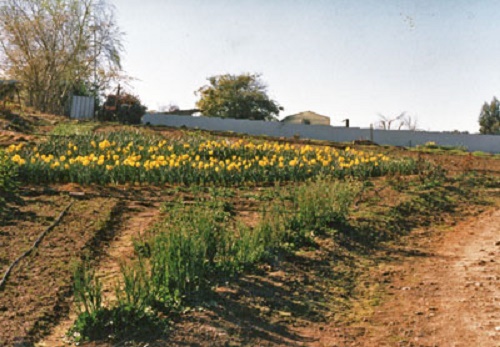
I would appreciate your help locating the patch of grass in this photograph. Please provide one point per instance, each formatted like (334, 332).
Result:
(74, 128)
(432, 147)
(481, 154)
(316, 207)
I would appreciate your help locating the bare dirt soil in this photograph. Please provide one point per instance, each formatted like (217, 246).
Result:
(439, 287)
(448, 295)
(38, 291)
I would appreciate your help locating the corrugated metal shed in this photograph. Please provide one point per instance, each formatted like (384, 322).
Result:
(82, 107)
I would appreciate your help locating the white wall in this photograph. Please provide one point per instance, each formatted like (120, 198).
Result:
(406, 138)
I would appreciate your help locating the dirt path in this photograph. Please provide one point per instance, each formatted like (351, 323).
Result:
(137, 218)
(450, 297)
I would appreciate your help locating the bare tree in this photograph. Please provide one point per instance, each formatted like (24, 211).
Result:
(401, 122)
(410, 123)
(386, 122)
(58, 47)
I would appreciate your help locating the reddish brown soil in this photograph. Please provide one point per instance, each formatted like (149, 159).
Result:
(135, 219)
(303, 299)
(487, 164)
(449, 295)
(38, 290)
(440, 288)
(437, 288)
(15, 128)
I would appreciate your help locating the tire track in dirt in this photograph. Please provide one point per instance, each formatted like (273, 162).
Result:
(135, 220)
(448, 298)
(452, 298)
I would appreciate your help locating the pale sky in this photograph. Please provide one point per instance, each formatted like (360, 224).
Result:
(437, 60)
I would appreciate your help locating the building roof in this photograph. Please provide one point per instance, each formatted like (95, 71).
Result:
(181, 112)
(307, 115)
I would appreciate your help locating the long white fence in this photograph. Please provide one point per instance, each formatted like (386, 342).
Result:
(406, 138)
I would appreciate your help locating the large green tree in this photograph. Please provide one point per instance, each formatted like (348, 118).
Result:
(58, 47)
(489, 118)
(237, 96)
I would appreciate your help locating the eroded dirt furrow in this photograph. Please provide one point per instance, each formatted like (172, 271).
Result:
(136, 218)
(37, 290)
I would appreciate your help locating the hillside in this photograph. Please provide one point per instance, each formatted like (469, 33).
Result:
(177, 237)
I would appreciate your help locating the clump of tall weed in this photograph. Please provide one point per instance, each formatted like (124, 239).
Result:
(322, 204)
(129, 316)
(314, 208)
(87, 289)
(117, 322)
(431, 175)
(193, 247)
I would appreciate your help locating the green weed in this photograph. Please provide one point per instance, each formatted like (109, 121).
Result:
(87, 289)
(130, 316)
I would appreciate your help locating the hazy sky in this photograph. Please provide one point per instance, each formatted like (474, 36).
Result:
(438, 60)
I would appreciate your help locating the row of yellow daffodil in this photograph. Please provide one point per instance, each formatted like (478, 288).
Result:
(127, 157)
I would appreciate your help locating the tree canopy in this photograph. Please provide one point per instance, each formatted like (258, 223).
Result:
(237, 96)
(55, 48)
(489, 118)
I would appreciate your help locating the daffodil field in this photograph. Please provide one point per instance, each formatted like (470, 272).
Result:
(125, 157)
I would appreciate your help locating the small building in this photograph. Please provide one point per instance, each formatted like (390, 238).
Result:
(307, 117)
